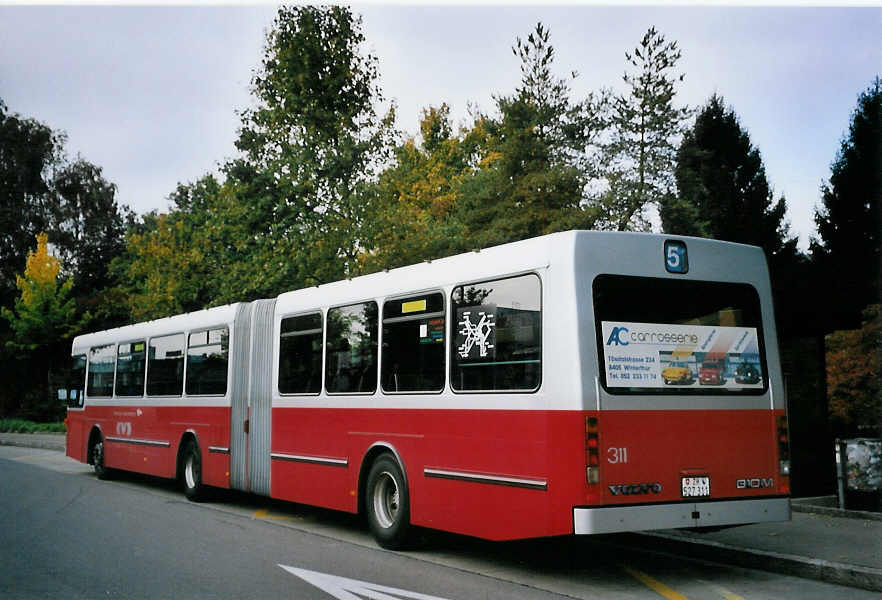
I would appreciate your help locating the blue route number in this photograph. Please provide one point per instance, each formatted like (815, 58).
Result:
(676, 259)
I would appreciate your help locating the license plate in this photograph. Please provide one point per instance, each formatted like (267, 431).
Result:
(695, 487)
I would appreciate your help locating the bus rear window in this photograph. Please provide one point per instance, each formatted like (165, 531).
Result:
(677, 336)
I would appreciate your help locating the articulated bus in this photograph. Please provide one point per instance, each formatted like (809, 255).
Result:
(537, 388)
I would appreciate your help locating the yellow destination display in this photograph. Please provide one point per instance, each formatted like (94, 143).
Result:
(413, 306)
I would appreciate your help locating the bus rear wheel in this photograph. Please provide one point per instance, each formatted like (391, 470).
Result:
(191, 473)
(387, 501)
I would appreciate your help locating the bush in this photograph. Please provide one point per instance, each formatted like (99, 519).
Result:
(22, 426)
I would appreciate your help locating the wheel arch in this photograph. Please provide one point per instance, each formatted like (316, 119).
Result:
(375, 451)
(188, 436)
(96, 435)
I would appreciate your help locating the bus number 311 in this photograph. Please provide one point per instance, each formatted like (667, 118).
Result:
(617, 455)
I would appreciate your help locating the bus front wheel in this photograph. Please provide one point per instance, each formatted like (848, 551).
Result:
(101, 471)
(388, 504)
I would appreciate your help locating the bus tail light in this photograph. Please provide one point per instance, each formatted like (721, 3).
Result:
(783, 437)
(592, 450)
(783, 447)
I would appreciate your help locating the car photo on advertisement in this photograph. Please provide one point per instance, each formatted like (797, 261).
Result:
(712, 370)
(678, 374)
(747, 374)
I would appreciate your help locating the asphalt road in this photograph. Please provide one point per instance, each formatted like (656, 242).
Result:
(64, 534)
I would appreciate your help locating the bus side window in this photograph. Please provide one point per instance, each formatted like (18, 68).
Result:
(74, 383)
(130, 362)
(300, 355)
(351, 353)
(101, 364)
(413, 344)
(497, 335)
(207, 356)
(165, 365)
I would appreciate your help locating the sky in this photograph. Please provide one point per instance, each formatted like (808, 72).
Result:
(151, 93)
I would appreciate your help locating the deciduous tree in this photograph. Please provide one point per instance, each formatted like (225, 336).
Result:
(29, 151)
(414, 216)
(42, 320)
(854, 387)
(312, 145)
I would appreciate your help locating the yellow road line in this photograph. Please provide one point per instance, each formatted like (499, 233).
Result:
(656, 586)
(265, 514)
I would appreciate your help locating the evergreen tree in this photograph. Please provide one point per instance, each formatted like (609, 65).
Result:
(533, 175)
(646, 124)
(723, 192)
(847, 250)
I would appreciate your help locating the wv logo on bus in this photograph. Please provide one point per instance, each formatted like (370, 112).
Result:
(616, 337)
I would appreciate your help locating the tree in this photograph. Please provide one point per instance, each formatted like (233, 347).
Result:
(29, 151)
(646, 124)
(853, 376)
(162, 269)
(88, 228)
(722, 189)
(537, 162)
(847, 250)
(312, 145)
(43, 318)
(414, 214)
(723, 193)
(89, 224)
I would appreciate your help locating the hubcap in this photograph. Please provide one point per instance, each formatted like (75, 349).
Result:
(98, 455)
(386, 500)
(190, 473)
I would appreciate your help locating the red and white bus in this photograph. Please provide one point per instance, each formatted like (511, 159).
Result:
(511, 392)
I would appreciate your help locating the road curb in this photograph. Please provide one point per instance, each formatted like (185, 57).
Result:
(856, 576)
(27, 440)
(826, 505)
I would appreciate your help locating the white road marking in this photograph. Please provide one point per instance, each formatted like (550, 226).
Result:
(346, 589)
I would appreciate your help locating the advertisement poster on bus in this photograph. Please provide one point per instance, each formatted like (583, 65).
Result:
(657, 355)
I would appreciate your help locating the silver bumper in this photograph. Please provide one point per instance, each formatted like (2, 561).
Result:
(672, 516)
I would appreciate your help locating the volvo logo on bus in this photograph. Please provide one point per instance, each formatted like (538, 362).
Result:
(634, 489)
(754, 483)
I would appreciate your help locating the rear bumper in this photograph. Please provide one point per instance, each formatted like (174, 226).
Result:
(672, 516)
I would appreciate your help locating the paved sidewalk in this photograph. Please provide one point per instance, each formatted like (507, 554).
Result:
(845, 549)
(820, 542)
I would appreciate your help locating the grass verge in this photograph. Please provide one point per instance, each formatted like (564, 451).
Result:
(23, 426)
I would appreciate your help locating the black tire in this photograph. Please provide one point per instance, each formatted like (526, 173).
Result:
(387, 502)
(191, 473)
(101, 471)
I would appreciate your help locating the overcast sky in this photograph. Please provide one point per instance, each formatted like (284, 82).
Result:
(151, 93)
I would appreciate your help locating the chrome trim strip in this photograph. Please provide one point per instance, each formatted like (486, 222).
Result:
(532, 484)
(314, 460)
(218, 450)
(138, 442)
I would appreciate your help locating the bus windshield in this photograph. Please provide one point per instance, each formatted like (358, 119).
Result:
(678, 336)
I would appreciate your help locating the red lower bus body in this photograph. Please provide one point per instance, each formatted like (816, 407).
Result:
(495, 474)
